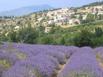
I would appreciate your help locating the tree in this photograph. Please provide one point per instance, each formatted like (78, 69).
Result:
(83, 39)
(27, 35)
(80, 17)
(90, 18)
(100, 17)
(62, 41)
(98, 32)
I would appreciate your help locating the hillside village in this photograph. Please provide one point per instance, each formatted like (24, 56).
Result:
(55, 42)
(63, 17)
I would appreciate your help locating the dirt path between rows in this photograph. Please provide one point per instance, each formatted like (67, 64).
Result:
(100, 63)
(61, 68)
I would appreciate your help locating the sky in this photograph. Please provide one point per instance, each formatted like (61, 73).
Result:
(6, 5)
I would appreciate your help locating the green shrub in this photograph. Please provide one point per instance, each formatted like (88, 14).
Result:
(98, 32)
(83, 38)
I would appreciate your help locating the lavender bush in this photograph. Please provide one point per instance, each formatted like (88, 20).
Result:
(82, 64)
(25, 60)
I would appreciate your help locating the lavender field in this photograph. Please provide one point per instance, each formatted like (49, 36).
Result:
(25, 60)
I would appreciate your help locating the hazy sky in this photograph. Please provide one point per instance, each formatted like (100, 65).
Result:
(12, 4)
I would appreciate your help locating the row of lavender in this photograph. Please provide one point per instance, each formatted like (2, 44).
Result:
(23, 60)
(83, 64)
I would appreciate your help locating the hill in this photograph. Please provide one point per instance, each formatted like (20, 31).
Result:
(93, 4)
(25, 10)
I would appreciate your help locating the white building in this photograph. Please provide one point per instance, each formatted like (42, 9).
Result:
(47, 29)
(74, 21)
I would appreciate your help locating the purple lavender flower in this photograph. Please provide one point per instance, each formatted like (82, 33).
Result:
(99, 54)
(46, 65)
(18, 71)
(82, 63)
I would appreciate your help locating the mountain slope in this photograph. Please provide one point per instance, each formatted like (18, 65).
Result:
(25, 10)
(94, 4)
